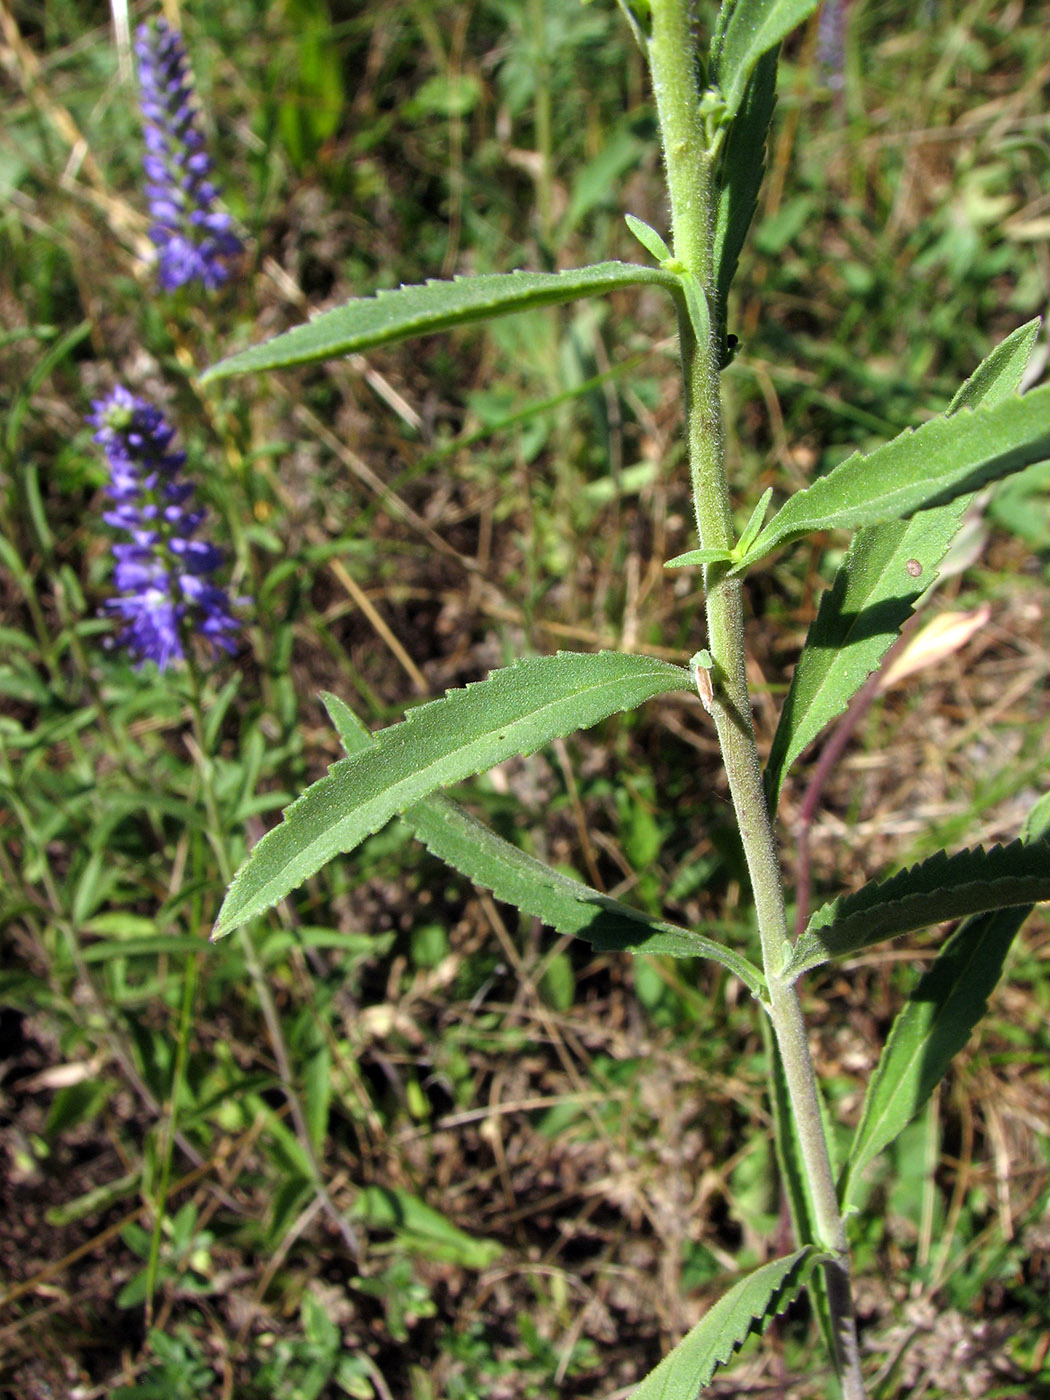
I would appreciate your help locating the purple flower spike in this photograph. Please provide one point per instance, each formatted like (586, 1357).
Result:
(192, 237)
(163, 573)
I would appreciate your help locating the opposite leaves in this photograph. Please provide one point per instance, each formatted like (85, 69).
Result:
(513, 712)
(435, 306)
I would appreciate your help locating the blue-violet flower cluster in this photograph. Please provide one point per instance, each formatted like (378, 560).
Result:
(163, 574)
(192, 236)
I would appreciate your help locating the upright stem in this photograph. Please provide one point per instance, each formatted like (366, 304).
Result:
(691, 181)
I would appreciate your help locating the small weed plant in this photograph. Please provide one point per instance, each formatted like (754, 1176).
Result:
(904, 503)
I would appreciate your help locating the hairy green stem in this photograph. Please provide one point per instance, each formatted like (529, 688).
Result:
(691, 181)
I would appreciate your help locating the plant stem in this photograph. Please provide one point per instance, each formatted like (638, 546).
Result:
(692, 186)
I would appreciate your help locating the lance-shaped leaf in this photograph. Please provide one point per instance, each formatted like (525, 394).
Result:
(740, 175)
(440, 743)
(942, 887)
(932, 1027)
(435, 306)
(747, 1308)
(566, 905)
(922, 468)
(750, 29)
(886, 571)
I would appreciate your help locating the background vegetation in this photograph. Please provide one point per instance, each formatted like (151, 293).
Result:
(415, 1148)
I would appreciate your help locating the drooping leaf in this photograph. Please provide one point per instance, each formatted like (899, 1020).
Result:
(439, 744)
(747, 1308)
(434, 306)
(740, 175)
(750, 29)
(940, 888)
(566, 905)
(887, 569)
(932, 1027)
(920, 469)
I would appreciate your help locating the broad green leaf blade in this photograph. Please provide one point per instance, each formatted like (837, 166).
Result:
(933, 1026)
(885, 572)
(440, 743)
(740, 176)
(923, 468)
(746, 1308)
(943, 887)
(752, 28)
(435, 306)
(566, 905)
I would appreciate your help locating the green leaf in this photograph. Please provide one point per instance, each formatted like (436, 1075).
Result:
(515, 711)
(920, 469)
(746, 1308)
(699, 556)
(696, 303)
(648, 237)
(999, 374)
(422, 1228)
(751, 29)
(740, 176)
(885, 572)
(940, 888)
(932, 1027)
(750, 531)
(566, 905)
(435, 306)
(937, 1020)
